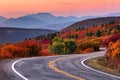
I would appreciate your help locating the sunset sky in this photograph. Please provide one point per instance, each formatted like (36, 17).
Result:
(15, 8)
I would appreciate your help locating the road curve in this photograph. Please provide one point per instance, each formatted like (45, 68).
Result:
(65, 67)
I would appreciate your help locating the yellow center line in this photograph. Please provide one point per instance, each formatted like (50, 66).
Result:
(51, 65)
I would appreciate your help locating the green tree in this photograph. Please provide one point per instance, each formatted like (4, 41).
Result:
(66, 50)
(98, 33)
(90, 34)
(112, 22)
(57, 48)
(57, 39)
(87, 34)
(109, 32)
(60, 46)
(71, 45)
(69, 36)
(76, 36)
(118, 28)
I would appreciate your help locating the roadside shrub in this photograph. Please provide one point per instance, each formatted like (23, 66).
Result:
(88, 50)
(88, 46)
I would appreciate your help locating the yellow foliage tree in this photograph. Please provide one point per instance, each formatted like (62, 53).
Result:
(114, 50)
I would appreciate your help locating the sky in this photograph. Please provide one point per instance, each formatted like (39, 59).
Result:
(16, 8)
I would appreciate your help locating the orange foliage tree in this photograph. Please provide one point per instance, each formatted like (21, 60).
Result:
(23, 49)
(32, 47)
(114, 50)
(11, 51)
(113, 55)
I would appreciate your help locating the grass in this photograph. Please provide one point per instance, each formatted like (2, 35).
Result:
(97, 63)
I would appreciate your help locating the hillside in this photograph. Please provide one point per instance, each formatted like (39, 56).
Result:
(8, 35)
(98, 32)
(91, 22)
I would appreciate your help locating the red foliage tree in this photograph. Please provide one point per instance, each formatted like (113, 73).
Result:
(113, 38)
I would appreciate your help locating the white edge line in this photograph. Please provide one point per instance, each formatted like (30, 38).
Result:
(82, 62)
(13, 68)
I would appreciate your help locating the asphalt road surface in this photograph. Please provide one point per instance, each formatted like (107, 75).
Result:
(64, 67)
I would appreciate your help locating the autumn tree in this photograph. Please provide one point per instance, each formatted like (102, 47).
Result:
(113, 38)
(91, 45)
(114, 50)
(33, 48)
(12, 51)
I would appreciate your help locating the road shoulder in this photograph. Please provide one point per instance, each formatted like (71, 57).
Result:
(94, 65)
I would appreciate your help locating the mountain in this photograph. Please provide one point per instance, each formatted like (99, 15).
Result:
(12, 35)
(89, 17)
(2, 19)
(91, 22)
(46, 17)
(22, 22)
(45, 21)
(51, 19)
(40, 20)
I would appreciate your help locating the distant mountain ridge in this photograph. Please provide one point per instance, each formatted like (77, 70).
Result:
(12, 35)
(39, 20)
(114, 14)
(27, 21)
(46, 21)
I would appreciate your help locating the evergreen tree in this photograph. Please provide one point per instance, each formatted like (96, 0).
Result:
(98, 33)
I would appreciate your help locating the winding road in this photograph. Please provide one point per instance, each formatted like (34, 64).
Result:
(64, 67)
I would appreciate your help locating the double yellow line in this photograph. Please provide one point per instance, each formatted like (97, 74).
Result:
(51, 65)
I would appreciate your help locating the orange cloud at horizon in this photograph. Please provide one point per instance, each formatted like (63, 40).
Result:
(15, 8)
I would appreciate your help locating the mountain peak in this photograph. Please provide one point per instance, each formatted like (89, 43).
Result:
(45, 14)
(2, 19)
(72, 17)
